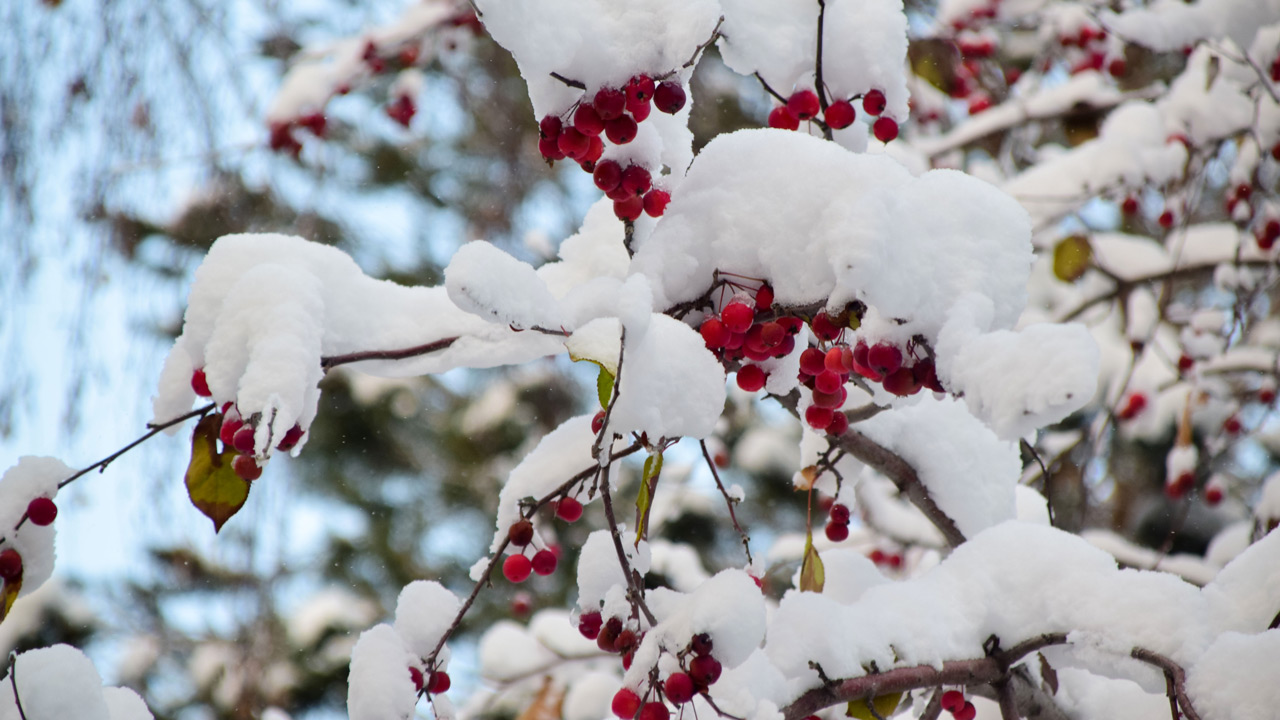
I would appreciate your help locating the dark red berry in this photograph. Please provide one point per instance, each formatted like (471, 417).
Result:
(781, 119)
(885, 129)
(569, 509)
(549, 127)
(812, 361)
(751, 378)
(654, 711)
(636, 180)
(416, 676)
(520, 533)
(704, 670)
(839, 114)
(587, 121)
(608, 634)
(517, 568)
(840, 513)
(626, 703)
(737, 316)
(655, 202)
(701, 644)
(803, 104)
(837, 532)
(10, 565)
(402, 110)
(544, 562)
(873, 103)
(902, 382)
(1128, 206)
(246, 467)
(200, 383)
(839, 423)
(678, 688)
(629, 208)
(966, 712)
(573, 143)
(1166, 219)
(291, 438)
(42, 511)
(669, 97)
(589, 624)
(952, 700)
(439, 682)
(610, 103)
(549, 148)
(884, 358)
(824, 327)
(607, 175)
(640, 89)
(243, 439)
(620, 130)
(764, 298)
(597, 422)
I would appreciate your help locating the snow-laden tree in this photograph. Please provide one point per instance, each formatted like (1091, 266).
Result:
(948, 302)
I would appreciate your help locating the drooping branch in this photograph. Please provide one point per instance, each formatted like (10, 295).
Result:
(977, 671)
(1175, 678)
(728, 501)
(329, 362)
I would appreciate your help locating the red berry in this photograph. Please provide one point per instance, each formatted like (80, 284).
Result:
(952, 700)
(639, 110)
(42, 511)
(521, 604)
(873, 102)
(1180, 485)
(636, 180)
(597, 423)
(678, 688)
(607, 175)
(573, 143)
(620, 130)
(701, 644)
(655, 202)
(550, 148)
(10, 565)
(629, 208)
(704, 670)
(595, 148)
(569, 509)
(714, 333)
(772, 333)
(1212, 495)
(818, 417)
(517, 568)
(1267, 395)
(1129, 206)
(589, 624)
(927, 375)
(625, 642)
(608, 634)
(520, 533)
(803, 104)
(840, 514)
(1166, 219)
(837, 532)
(737, 316)
(587, 121)
(291, 438)
(884, 358)
(315, 122)
(610, 103)
(200, 383)
(751, 378)
(839, 114)
(838, 360)
(246, 467)
(640, 89)
(654, 711)
(1231, 425)
(781, 119)
(669, 97)
(812, 361)
(1185, 362)
(885, 129)
(1117, 67)
(764, 298)
(549, 127)
(902, 382)
(544, 562)
(242, 441)
(827, 382)
(979, 103)
(626, 703)
(839, 423)
(824, 327)
(402, 110)
(439, 682)
(1136, 403)
(416, 676)
(966, 712)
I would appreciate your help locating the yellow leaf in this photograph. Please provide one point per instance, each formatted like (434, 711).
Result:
(1071, 257)
(8, 595)
(214, 488)
(648, 480)
(812, 574)
(808, 476)
(884, 705)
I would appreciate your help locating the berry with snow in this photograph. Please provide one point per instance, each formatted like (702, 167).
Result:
(247, 467)
(669, 97)
(42, 511)
(781, 119)
(439, 682)
(626, 703)
(803, 104)
(839, 114)
(874, 103)
(589, 624)
(200, 384)
(10, 565)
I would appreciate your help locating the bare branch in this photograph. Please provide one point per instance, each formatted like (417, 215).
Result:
(728, 501)
(1175, 677)
(715, 33)
(332, 361)
(567, 81)
(155, 429)
(13, 680)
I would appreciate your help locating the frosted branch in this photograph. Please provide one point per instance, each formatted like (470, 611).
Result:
(332, 361)
(1175, 680)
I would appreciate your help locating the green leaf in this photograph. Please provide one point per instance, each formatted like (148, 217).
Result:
(812, 575)
(884, 705)
(213, 486)
(648, 482)
(604, 385)
(1071, 257)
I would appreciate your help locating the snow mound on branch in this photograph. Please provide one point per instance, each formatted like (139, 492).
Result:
(61, 682)
(424, 611)
(31, 478)
(1236, 677)
(379, 686)
(601, 585)
(488, 282)
(970, 473)
(264, 309)
(670, 384)
(1169, 25)
(864, 47)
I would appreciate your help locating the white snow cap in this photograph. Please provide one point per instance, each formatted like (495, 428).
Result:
(31, 478)
(379, 686)
(424, 611)
(61, 682)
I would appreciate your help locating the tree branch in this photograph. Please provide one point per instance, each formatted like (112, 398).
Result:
(1125, 286)
(13, 680)
(728, 501)
(978, 671)
(332, 361)
(1175, 678)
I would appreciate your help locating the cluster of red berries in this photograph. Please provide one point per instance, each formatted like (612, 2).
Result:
(281, 138)
(615, 113)
(838, 522)
(743, 330)
(612, 636)
(881, 558)
(437, 681)
(953, 702)
(237, 433)
(804, 106)
(699, 670)
(518, 568)
(826, 372)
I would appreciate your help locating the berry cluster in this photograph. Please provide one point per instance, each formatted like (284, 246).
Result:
(237, 433)
(953, 702)
(699, 670)
(804, 106)
(437, 681)
(881, 558)
(518, 568)
(615, 113)
(744, 329)
(838, 524)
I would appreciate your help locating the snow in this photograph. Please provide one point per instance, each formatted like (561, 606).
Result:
(332, 607)
(601, 584)
(424, 612)
(508, 652)
(61, 682)
(485, 281)
(1235, 677)
(32, 477)
(590, 696)
(1171, 25)
(379, 686)
(670, 384)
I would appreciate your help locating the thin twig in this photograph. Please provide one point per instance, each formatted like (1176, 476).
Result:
(769, 89)
(635, 586)
(728, 501)
(567, 81)
(1044, 473)
(13, 680)
(332, 361)
(1176, 678)
(1166, 276)
(715, 33)
(155, 429)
